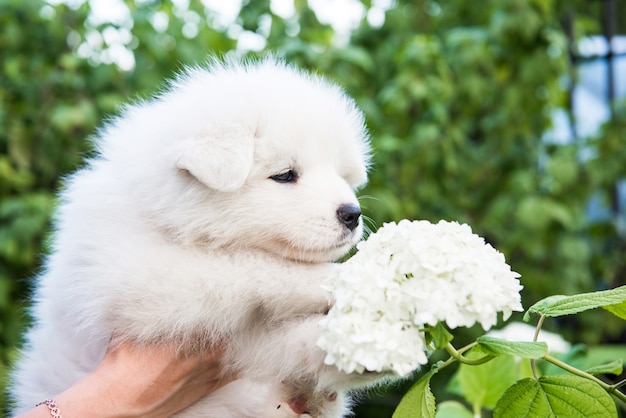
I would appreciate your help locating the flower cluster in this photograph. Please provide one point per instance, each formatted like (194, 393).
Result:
(405, 277)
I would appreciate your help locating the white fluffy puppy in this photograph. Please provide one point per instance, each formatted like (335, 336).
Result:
(211, 213)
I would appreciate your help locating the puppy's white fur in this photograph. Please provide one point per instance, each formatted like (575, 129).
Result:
(176, 231)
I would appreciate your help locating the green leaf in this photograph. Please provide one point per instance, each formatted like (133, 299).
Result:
(614, 367)
(524, 349)
(555, 396)
(439, 336)
(560, 305)
(619, 309)
(453, 409)
(483, 385)
(419, 400)
(602, 354)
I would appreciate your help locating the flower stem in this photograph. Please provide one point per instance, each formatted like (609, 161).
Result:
(467, 347)
(452, 359)
(533, 366)
(611, 389)
(458, 355)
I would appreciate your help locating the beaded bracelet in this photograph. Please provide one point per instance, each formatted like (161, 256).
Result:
(52, 406)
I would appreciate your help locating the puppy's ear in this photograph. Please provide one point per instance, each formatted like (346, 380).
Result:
(221, 161)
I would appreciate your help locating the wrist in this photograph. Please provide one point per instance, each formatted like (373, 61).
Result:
(93, 397)
(52, 407)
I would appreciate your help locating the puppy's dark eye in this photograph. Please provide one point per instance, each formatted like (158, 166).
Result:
(286, 177)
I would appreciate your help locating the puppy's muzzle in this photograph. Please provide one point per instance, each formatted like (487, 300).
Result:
(349, 216)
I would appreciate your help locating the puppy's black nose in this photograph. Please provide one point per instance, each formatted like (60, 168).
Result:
(349, 216)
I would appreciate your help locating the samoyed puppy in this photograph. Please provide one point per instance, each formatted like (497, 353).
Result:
(212, 213)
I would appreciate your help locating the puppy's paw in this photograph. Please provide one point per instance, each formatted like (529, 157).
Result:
(278, 409)
(300, 400)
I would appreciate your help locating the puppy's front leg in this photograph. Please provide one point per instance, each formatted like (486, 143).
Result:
(289, 354)
(287, 290)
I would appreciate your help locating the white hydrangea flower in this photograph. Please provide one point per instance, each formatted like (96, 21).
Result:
(404, 277)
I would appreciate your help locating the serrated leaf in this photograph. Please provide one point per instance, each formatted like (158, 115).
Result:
(419, 400)
(560, 305)
(619, 309)
(555, 397)
(453, 409)
(614, 367)
(601, 354)
(524, 349)
(483, 385)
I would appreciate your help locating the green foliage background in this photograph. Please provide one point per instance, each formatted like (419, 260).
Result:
(457, 96)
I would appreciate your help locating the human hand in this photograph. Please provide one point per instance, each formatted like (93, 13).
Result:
(133, 381)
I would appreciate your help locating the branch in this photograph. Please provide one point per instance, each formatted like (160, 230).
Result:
(611, 389)
(533, 366)
(458, 355)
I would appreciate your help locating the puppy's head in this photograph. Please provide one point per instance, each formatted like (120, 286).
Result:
(263, 156)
